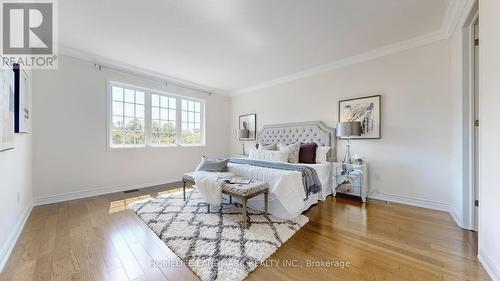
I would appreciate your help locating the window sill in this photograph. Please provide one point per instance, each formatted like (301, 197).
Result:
(191, 145)
(125, 147)
(162, 145)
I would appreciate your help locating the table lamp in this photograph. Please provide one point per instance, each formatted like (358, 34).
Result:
(347, 130)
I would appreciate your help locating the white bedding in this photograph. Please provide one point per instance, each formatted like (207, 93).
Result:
(286, 190)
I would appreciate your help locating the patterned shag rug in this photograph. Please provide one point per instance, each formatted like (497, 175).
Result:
(215, 245)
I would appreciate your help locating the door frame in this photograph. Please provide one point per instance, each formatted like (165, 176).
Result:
(468, 120)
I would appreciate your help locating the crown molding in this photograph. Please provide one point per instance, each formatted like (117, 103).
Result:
(133, 69)
(370, 55)
(454, 14)
(452, 17)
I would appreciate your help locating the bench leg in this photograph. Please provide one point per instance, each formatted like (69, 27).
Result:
(266, 195)
(184, 190)
(244, 211)
(208, 208)
(230, 199)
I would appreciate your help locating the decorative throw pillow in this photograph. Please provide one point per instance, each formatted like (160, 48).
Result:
(307, 153)
(321, 154)
(268, 155)
(293, 151)
(215, 165)
(271, 146)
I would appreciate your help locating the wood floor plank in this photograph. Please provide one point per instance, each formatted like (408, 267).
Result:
(98, 239)
(131, 265)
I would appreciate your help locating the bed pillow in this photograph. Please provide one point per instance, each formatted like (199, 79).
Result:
(321, 154)
(271, 146)
(293, 151)
(268, 155)
(307, 153)
(212, 165)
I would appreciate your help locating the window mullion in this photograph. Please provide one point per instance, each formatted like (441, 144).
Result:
(202, 124)
(178, 121)
(147, 119)
(110, 116)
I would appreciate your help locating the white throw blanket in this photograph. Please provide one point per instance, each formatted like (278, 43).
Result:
(209, 186)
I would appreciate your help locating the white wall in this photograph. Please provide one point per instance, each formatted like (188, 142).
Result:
(489, 99)
(69, 146)
(414, 157)
(16, 192)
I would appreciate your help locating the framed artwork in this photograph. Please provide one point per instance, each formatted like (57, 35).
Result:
(6, 108)
(365, 110)
(249, 124)
(22, 101)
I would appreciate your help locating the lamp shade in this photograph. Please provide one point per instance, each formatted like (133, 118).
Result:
(347, 129)
(243, 133)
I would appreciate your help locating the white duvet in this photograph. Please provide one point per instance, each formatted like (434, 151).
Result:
(286, 190)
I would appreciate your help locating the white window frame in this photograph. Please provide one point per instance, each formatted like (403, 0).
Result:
(202, 121)
(151, 120)
(110, 116)
(148, 117)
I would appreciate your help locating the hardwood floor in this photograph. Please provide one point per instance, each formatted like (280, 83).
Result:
(98, 239)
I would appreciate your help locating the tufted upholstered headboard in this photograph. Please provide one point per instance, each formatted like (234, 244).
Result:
(314, 131)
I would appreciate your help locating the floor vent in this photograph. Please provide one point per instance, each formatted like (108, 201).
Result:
(130, 191)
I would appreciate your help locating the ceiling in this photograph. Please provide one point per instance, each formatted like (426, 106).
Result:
(230, 45)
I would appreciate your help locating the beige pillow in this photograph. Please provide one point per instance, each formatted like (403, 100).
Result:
(268, 155)
(293, 151)
(271, 146)
(321, 154)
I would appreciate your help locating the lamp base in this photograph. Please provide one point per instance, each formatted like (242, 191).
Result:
(347, 156)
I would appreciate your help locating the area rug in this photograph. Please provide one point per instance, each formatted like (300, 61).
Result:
(215, 245)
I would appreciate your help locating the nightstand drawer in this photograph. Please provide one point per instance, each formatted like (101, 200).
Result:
(349, 189)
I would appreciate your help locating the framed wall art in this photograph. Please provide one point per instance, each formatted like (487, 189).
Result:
(248, 125)
(22, 101)
(6, 108)
(365, 110)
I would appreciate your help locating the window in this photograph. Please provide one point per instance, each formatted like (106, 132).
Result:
(127, 116)
(191, 122)
(140, 117)
(163, 116)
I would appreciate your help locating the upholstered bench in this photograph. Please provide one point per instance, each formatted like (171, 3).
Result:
(242, 191)
(245, 192)
(186, 178)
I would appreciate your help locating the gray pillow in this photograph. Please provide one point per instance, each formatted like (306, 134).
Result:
(212, 165)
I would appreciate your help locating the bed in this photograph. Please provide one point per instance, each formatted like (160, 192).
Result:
(287, 198)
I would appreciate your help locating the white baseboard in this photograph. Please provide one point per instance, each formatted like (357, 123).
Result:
(428, 204)
(97, 191)
(457, 219)
(490, 267)
(411, 201)
(7, 248)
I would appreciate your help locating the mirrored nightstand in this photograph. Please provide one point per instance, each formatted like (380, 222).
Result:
(350, 179)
